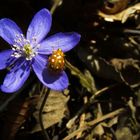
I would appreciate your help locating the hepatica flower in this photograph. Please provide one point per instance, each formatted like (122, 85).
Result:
(33, 51)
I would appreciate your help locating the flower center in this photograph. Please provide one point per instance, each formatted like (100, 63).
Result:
(28, 51)
(56, 61)
(22, 48)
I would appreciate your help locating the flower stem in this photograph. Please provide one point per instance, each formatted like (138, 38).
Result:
(46, 136)
(55, 5)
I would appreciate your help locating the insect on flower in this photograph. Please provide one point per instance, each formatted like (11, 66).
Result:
(35, 52)
(56, 61)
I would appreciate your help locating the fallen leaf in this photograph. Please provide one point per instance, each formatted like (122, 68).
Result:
(129, 69)
(53, 111)
(121, 16)
(124, 133)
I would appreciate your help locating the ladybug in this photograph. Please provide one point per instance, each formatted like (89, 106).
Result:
(56, 61)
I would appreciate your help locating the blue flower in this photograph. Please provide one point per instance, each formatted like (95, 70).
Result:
(33, 52)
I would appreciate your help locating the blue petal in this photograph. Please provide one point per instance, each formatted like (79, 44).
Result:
(39, 26)
(5, 59)
(16, 77)
(9, 30)
(64, 41)
(52, 81)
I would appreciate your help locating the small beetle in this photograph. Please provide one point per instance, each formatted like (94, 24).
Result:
(56, 61)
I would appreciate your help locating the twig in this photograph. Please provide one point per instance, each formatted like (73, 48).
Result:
(85, 106)
(94, 122)
(131, 31)
(40, 113)
(82, 119)
(100, 92)
(107, 116)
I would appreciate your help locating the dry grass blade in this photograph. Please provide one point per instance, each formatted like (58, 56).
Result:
(96, 121)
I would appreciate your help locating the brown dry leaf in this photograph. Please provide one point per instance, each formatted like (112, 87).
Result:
(98, 130)
(18, 111)
(123, 63)
(53, 111)
(122, 16)
(124, 133)
(129, 69)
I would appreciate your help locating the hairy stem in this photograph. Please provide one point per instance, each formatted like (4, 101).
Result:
(46, 137)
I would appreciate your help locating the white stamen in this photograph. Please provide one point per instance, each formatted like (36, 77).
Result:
(23, 48)
(15, 54)
(13, 49)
